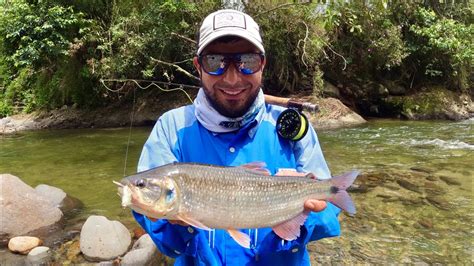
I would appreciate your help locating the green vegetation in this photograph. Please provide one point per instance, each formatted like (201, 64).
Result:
(54, 53)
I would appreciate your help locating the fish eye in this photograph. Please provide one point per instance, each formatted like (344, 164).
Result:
(170, 194)
(140, 183)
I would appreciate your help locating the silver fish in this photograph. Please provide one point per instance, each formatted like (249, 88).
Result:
(231, 198)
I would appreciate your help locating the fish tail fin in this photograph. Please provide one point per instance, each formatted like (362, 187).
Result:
(340, 197)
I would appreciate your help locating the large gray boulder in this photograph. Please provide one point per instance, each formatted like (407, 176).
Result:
(102, 239)
(143, 253)
(23, 209)
(333, 114)
(55, 195)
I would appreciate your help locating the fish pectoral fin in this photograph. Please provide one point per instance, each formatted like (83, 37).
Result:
(310, 176)
(257, 167)
(290, 230)
(239, 237)
(191, 221)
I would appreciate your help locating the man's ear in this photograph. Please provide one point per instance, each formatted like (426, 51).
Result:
(264, 63)
(197, 65)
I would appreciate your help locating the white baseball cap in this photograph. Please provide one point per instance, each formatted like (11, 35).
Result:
(228, 22)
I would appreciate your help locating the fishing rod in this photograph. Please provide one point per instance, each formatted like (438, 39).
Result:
(280, 101)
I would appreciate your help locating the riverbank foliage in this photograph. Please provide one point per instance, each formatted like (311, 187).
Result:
(57, 52)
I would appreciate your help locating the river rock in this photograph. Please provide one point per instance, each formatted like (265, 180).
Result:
(432, 178)
(53, 194)
(39, 256)
(356, 188)
(23, 244)
(433, 189)
(23, 209)
(333, 114)
(449, 180)
(143, 253)
(331, 90)
(102, 239)
(421, 169)
(425, 223)
(439, 202)
(408, 185)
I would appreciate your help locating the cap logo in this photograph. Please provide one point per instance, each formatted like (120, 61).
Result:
(229, 19)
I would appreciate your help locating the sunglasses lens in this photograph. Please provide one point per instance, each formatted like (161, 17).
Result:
(249, 63)
(213, 64)
(216, 64)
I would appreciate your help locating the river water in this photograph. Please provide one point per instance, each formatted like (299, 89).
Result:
(414, 196)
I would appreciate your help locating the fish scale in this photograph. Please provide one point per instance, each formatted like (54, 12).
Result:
(249, 199)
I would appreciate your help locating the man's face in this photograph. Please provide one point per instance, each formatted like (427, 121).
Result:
(231, 93)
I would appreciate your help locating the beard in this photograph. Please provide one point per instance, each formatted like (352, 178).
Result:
(231, 108)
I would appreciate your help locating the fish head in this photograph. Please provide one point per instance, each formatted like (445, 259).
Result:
(153, 197)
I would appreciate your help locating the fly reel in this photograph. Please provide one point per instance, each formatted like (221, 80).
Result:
(292, 125)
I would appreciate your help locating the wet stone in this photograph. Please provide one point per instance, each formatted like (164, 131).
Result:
(433, 189)
(362, 188)
(391, 199)
(421, 169)
(412, 202)
(432, 178)
(439, 202)
(391, 187)
(408, 185)
(425, 223)
(450, 181)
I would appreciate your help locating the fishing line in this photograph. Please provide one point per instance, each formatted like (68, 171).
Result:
(153, 83)
(129, 134)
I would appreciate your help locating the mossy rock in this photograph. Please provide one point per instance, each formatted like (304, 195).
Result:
(432, 103)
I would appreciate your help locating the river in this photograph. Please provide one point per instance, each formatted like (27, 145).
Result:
(414, 197)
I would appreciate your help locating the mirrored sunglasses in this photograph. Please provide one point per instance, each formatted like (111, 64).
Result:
(217, 64)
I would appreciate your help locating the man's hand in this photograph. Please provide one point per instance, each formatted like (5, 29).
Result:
(311, 204)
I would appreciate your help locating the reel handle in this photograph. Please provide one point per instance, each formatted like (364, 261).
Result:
(292, 103)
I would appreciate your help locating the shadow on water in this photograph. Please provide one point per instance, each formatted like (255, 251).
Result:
(414, 196)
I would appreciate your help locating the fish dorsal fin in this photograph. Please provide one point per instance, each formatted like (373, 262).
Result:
(191, 221)
(290, 230)
(257, 167)
(239, 237)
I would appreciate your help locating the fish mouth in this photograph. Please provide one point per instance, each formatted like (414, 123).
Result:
(125, 192)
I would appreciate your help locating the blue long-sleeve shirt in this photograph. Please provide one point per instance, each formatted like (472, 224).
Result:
(179, 137)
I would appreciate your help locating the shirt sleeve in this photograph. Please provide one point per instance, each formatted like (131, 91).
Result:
(171, 239)
(309, 156)
(159, 148)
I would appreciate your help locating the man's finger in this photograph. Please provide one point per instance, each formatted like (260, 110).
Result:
(315, 205)
(289, 172)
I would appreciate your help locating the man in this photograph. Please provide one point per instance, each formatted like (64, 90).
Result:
(229, 124)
